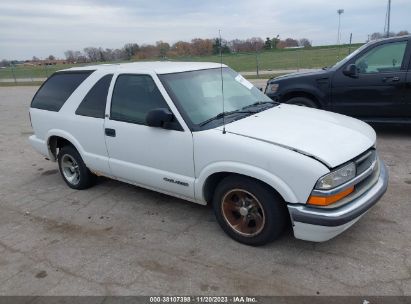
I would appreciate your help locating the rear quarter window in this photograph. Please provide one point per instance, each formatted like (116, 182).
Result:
(94, 104)
(57, 89)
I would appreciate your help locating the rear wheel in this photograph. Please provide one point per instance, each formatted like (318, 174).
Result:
(302, 101)
(249, 211)
(73, 170)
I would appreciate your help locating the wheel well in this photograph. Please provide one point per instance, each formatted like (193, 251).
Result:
(57, 142)
(301, 94)
(214, 179)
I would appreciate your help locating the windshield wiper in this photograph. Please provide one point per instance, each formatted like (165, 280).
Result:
(258, 103)
(222, 114)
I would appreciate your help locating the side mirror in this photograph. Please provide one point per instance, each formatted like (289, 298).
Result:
(159, 117)
(351, 70)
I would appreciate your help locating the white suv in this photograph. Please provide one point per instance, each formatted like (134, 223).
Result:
(159, 125)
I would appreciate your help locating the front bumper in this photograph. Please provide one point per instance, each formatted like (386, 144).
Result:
(318, 225)
(273, 96)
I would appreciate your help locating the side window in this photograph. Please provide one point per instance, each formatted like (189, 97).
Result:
(57, 89)
(384, 58)
(133, 97)
(94, 104)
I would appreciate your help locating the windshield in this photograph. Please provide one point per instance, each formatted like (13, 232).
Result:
(198, 95)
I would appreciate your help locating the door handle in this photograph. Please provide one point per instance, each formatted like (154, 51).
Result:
(110, 132)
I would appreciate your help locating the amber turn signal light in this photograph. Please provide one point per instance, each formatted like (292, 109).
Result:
(328, 200)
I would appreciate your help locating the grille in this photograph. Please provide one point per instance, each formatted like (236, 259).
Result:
(363, 162)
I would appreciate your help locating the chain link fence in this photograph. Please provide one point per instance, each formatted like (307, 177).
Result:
(268, 63)
(21, 73)
(258, 64)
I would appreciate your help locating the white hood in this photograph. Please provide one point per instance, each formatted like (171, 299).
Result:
(331, 138)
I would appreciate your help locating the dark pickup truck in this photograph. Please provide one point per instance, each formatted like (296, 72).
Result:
(373, 83)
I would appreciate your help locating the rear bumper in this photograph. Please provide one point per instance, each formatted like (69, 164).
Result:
(39, 145)
(318, 225)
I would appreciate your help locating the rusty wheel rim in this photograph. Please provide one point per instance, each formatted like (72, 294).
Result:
(243, 212)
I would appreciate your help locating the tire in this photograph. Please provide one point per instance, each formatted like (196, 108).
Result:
(302, 101)
(249, 211)
(73, 170)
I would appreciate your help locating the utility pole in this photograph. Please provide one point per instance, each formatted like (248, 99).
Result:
(12, 71)
(349, 49)
(388, 18)
(339, 12)
(257, 62)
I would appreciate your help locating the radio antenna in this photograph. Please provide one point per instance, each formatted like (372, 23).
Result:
(222, 79)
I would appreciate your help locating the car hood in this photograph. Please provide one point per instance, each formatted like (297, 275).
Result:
(331, 138)
(308, 73)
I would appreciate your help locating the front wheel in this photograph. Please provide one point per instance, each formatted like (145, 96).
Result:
(249, 211)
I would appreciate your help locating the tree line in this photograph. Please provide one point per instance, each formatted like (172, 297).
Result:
(378, 35)
(196, 47)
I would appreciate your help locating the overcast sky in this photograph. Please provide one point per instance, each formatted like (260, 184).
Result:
(42, 27)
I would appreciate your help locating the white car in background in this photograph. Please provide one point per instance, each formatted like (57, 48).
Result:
(160, 125)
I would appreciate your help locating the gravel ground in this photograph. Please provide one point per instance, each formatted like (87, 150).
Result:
(117, 239)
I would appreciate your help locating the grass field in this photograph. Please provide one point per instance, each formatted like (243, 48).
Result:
(315, 57)
(31, 72)
(280, 59)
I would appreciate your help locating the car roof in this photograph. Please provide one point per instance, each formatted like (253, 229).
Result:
(395, 38)
(158, 67)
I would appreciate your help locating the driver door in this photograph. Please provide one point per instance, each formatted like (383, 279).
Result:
(152, 157)
(378, 91)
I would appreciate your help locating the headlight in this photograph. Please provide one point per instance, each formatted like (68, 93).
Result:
(272, 88)
(336, 178)
(331, 181)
